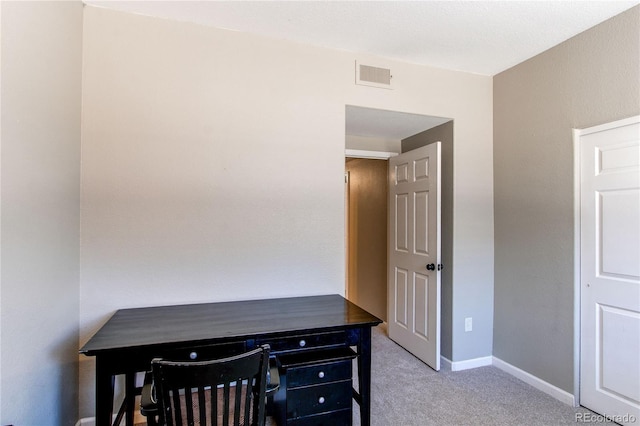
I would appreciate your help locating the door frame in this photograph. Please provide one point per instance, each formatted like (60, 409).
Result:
(577, 278)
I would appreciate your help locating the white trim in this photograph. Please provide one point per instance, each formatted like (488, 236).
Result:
(347, 195)
(471, 363)
(86, 421)
(360, 153)
(536, 382)
(607, 126)
(576, 266)
(467, 364)
(445, 363)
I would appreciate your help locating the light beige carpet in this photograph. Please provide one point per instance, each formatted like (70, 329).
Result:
(406, 392)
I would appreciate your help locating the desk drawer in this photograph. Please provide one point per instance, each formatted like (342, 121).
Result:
(203, 352)
(317, 367)
(336, 418)
(319, 374)
(132, 361)
(318, 399)
(305, 341)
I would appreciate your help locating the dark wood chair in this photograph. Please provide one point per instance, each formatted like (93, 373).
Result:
(227, 391)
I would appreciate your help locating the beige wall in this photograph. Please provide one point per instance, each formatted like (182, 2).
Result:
(181, 202)
(40, 175)
(367, 232)
(591, 79)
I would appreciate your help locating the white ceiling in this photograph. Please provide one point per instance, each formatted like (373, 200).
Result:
(482, 37)
(391, 125)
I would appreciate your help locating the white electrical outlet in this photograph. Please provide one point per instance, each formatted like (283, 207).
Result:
(468, 324)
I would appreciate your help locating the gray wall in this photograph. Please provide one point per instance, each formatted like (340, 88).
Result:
(40, 170)
(444, 134)
(590, 79)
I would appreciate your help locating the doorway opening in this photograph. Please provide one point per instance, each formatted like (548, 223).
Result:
(372, 137)
(366, 233)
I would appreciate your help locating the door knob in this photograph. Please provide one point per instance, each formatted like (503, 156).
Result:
(431, 267)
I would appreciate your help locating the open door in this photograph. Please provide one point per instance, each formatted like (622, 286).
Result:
(414, 252)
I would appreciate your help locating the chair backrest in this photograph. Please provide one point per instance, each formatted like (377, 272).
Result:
(212, 392)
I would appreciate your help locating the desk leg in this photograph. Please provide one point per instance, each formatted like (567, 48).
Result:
(104, 394)
(130, 397)
(364, 375)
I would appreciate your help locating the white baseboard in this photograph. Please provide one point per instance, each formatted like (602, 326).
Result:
(536, 382)
(466, 364)
(86, 421)
(445, 364)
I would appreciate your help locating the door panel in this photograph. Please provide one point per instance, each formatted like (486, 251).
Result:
(421, 215)
(421, 307)
(620, 373)
(414, 228)
(401, 298)
(401, 223)
(619, 227)
(610, 270)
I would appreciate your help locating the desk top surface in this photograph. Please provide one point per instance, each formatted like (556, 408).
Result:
(225, 321)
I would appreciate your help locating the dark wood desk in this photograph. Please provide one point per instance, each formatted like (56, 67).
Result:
(132, 337)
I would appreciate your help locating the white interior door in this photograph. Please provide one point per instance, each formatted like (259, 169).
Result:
(610, 270)
(414, 252)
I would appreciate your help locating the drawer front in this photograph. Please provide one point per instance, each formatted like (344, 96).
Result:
(131, 361)
(203, 352)
(318, 399)
(306, 341)
(336, 418)
(319, 373)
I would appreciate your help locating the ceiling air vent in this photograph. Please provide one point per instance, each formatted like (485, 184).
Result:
(368, 75)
